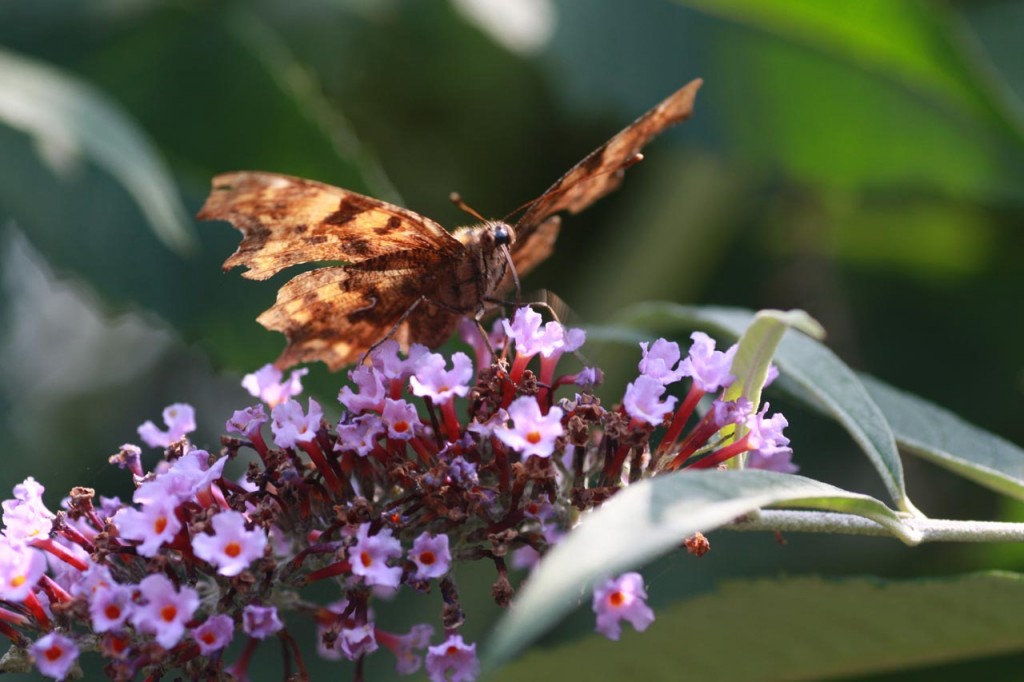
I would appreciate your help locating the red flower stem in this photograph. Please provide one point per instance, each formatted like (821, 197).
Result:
(315, 454)
(32, 602)
(518, 368)
(290, 644)
(501, 463)
(12, 634)
(56, 593)
(694, 440)
(49, 545)
(451, 420)
(76, 537)
(335, 569)
(259, 445)
(719, 456)
(426, 456)
(240, 669)
(681, 417)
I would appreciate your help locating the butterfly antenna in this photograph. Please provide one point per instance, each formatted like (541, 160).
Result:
(628, 163)
(456, 199)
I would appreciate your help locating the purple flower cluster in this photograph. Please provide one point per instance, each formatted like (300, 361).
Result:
(385, 498)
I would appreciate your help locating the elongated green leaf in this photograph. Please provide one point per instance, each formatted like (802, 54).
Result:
(829, 382)
(757, 347)
(652, 517)
(69, 119)
(941, 437)
(802, 629)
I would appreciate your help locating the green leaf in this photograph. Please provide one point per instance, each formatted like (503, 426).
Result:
(757, 346)
(828, 382)
(69, 120)
(651, 517)
(801, 629)
(939, 436)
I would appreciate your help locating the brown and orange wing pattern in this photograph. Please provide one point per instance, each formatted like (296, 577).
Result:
(336, 314)
(602, 170)
(287, 221)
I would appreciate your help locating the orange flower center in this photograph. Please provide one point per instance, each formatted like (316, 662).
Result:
(401, 427)
(112, 612)
(160, 524)
(427, 558)
(54, 653)
(533, 437)
(616, 599)
(18, 581)
(169, 613)
(233, 549)
(366, 559)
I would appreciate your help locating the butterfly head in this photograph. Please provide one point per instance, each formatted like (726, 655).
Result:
(502, 233)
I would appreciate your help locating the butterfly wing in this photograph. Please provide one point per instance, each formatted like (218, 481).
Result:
(286, 221)
(602, 170)
(336, 314)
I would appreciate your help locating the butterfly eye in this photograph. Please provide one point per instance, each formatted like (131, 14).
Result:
(502, 236)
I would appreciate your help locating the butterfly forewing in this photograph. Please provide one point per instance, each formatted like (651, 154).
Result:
(288, 221)
(601, 171)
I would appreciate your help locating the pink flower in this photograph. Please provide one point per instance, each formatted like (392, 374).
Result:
(164, 610)
(231, 548)
(431, 556)
(260, 621)
(400, 418)
(709, 369)
(622, 598)
(21, 567)
(155, 525)
(109, 607)
(26, 517)
(371, 390)
(404, 647)
(267, 385)
(661, 362)
(247, 421)
(532, 433)
(54, 655)
(359, 435)
(433, 381)
(215, 634)
(180, 419)
(291, 426)
(370, 554)
(531, 338)
(452, 661)
(357, 641)
(765, 435)
(386, 360)
(643, 400)
(187, 477)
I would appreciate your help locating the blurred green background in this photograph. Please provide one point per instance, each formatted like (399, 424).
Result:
(861, 160)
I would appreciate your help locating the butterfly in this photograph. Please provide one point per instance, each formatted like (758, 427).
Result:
(401, 275)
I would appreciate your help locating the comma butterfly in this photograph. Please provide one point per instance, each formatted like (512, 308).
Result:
(402, 273)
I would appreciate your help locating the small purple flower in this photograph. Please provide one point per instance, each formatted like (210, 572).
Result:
(643, 400)
(386, 360)
(452, 661)
(431, 556)
(360, 434)
(532, 433)
(771, 376)
(433, 381)
(180, 419)
(215, 634)
(231, 548)
(260, 622)
(471, 333)
(109, 607)
(370, 554)
(661, 361)
(531, 338)
(246, 422)
(709, 369)
(463, 472)
(486, 429)
(731, 412)
(290, 425)
(267, 385)
(372, 391)
(765, 434)
(21, 567)
(782, 461)
(400, 418)
(164, 610)
(183, 480)
(155, 525)
(622, 598)
(357, 641)
(404, 647)
(25, 516)
(54, 655)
